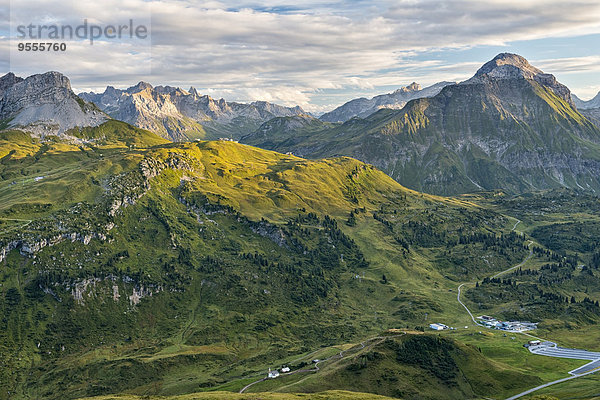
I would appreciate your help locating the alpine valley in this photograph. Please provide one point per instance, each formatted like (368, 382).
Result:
(139, 260)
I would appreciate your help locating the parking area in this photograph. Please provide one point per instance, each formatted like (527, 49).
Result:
(586, 368)
(551, 350)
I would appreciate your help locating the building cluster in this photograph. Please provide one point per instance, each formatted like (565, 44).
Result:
(510, 326)
(275, 373)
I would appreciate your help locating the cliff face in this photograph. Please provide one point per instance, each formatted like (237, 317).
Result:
(44, 104)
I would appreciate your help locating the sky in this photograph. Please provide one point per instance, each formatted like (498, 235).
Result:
(316, 54)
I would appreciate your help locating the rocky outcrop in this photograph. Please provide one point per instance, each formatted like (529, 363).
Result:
(31, 244)
(108, 287)
(44, 104)
(269, 231)
(139, 292)
(121, 191)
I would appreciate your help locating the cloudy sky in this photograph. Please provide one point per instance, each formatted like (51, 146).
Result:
(318, 54)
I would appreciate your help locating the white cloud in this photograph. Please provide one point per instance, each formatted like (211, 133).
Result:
(288, 54)
(571, 64)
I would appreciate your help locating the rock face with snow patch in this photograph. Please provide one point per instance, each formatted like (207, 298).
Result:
(44, 104)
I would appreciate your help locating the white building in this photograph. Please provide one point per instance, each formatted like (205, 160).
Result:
(273, 374)
(285, 369)
(438, 327)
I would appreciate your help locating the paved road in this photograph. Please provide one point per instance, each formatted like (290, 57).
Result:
(464, 305)
(518, 265)
(545, 385)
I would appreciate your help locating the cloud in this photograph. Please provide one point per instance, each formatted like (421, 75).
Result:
(571, 64)
(288, 53)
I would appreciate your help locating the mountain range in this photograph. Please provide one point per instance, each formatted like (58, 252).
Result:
(510, 127)
(363, 107)
(181, 115)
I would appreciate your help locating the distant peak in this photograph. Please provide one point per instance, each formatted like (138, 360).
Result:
(9, 75)
(508, 66)
(139, 87)
(511, 60)
(111, 90)
(413, 87)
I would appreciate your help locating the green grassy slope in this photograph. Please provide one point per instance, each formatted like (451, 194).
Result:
(414, 367)
(329, 395)
(149, 268)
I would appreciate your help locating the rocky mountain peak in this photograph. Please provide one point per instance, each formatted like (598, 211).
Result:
(589, 104)
(47, 80)
(110, 90)
(7, 81)
(507, 64)
(139, 87)
(45, 104)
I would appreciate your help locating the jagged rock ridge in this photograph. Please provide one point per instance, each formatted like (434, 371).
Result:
(182, 115)
(586, 105)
